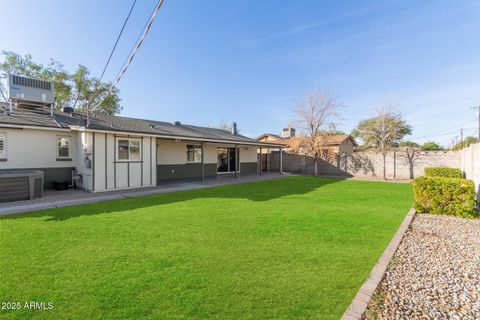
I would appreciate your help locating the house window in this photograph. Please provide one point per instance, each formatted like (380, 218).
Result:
(194, 153)
(128, 149)
(63, 147)
(3, 145)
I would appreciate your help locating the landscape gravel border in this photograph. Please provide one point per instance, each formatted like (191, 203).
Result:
(359, 304)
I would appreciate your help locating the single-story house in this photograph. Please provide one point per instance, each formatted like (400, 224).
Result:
(112, 152)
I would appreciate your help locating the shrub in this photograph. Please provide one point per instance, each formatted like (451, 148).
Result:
(451, 196)
(443, 172)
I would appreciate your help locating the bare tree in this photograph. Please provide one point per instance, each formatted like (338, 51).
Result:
(412, 157)
(316, 116)
(383, 131)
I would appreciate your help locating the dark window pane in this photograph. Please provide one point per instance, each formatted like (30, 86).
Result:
(123, 149)
(222, 160)
(190, 156)
(233, 157)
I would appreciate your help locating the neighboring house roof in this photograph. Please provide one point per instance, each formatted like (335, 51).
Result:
(274, 138)
(338, 139)
(330, 140)
(40, 117)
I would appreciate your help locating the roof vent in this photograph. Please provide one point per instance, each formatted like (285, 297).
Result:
(177, 123)
(234, 128)
(69, 110)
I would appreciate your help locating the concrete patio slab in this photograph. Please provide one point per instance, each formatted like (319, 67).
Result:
(58, 199)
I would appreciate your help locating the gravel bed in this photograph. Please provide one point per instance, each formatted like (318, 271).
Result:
(435, 273)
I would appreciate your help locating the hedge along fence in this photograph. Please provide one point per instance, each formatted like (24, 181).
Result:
(443, 172)
(451, 196)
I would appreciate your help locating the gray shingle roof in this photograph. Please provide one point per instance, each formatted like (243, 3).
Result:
(41, 117)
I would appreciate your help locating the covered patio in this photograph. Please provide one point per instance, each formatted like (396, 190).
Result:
(57, 199)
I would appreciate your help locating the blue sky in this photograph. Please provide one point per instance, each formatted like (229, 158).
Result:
(248, 61)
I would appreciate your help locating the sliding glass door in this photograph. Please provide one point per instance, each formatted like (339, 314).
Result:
(227, 160)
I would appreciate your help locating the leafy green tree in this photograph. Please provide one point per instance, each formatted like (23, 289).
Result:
(466, 142)
(409, 144)
(382, 132)
(78, 90)
(431, 146)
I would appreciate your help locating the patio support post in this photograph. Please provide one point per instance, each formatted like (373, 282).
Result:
(237, 162)
(202, 165)
(281, 160)
(261, 164)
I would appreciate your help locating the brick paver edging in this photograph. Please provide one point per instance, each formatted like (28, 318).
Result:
(359, 304)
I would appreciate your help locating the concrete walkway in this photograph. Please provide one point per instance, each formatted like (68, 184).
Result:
(57, 199)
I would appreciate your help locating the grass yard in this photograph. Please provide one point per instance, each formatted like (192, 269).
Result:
(292, 248)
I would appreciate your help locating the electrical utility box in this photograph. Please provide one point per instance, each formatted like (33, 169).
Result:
(30, 91)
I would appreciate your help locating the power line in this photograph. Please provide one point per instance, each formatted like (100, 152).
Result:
(437, 133)
(3, 95)
(132, 53)
(118, 39)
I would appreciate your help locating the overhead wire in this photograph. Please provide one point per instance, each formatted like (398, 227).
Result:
(136, 47)
(439, 133)
(118, 39)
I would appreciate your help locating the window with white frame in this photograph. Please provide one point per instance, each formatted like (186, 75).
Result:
(194, 153)
(63, 147)
(3, 145)
(128, 149)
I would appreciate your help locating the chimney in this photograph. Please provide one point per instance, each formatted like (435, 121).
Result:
(234, 128)
(288, 132)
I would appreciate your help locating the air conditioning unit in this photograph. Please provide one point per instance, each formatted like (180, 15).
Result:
(30, 91)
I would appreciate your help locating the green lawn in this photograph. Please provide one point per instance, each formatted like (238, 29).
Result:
(292, 248)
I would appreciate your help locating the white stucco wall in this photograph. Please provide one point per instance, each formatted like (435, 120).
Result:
(248, 154)
(174, 152)
(32, 148)
(171, 151)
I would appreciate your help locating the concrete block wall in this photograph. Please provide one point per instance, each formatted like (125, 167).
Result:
(398, 164)
(470, 165)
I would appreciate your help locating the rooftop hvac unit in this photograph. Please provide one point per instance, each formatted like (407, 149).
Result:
(30, 91)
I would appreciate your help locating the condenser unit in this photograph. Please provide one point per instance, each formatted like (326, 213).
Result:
(25, 90)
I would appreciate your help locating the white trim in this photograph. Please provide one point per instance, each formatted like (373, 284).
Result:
(232, 142)
(82, 129)
(9, 126)
(117, 158)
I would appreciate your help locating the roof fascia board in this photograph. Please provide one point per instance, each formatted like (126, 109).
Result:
(253, 143)
(12, 126)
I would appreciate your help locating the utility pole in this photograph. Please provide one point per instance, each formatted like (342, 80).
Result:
(478, 115)
(461, 138)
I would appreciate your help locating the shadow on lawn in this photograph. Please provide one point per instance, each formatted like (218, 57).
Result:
(254, 191)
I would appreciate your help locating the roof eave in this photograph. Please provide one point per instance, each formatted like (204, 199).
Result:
(173, 137)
